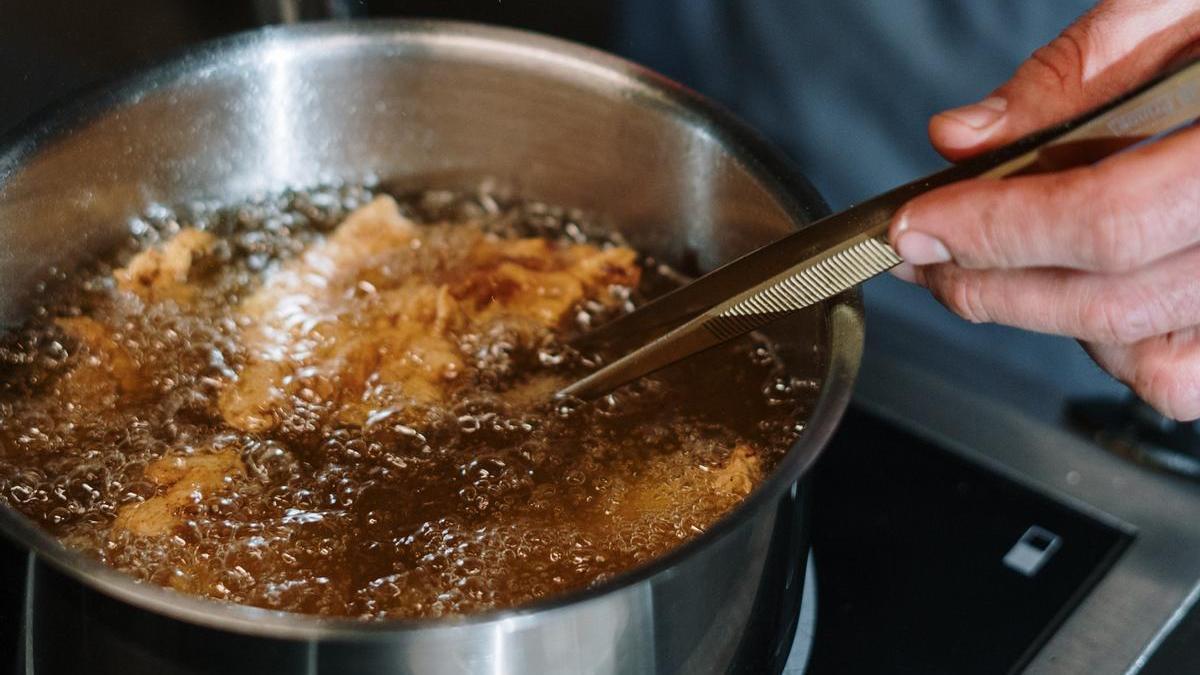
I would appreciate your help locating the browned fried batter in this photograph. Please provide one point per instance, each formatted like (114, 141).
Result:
(166, 272)
(101, 367)
(339, 328)
(182, 480)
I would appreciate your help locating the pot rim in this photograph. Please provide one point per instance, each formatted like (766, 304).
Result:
(843, 315)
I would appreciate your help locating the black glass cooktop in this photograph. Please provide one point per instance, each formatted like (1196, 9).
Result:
(928, 563)
(12, 583)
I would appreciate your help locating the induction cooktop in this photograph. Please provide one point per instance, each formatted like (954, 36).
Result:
(955, 532)
(928, 563)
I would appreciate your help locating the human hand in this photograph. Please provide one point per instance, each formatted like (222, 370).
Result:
(1109, 253)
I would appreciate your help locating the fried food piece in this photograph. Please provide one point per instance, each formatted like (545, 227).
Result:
(183, 480)
(103, 368)
(316, 284)
(398, 351)
(740, 472)
(357, 323)
(304, 334)
(534, 279)
(167, 272)
(656, 491)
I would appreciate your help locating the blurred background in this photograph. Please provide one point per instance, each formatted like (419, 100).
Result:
(844, 89)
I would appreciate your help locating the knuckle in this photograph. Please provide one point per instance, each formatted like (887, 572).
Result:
(1110, 319)
(963, 294)
(1062, 60)
(1112, 249)
(987, 245)
(1113, 242)
(1102, 323)
(1171, 390)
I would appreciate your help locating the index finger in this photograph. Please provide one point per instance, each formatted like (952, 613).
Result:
(1121, 214)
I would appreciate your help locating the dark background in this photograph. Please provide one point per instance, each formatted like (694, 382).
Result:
(51, 49)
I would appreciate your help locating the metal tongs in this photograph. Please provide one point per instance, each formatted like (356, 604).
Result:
(838, 252)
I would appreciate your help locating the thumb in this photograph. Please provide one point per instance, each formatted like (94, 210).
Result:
(1112, 48)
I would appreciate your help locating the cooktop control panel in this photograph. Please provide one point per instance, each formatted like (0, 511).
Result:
(927, 563)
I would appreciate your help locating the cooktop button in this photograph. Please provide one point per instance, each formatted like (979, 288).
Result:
(1032, 550)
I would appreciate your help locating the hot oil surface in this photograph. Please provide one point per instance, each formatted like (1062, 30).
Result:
(494, 499)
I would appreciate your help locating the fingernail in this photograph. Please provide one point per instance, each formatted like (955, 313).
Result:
(982, 115)
(905, 272)
(918, 248)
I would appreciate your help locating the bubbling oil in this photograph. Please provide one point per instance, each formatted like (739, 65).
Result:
(488, 501)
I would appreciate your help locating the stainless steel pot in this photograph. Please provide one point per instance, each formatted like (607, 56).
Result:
(428, 104)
